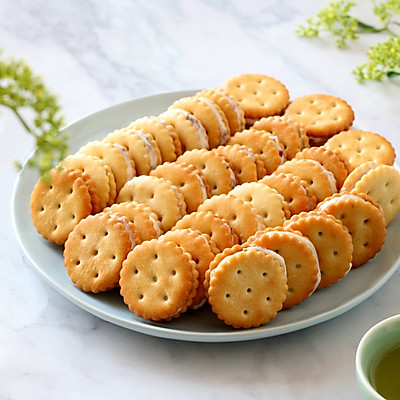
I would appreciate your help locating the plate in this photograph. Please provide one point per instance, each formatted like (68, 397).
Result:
(200, 325)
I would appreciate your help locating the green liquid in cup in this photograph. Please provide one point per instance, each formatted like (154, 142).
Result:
(385, 373)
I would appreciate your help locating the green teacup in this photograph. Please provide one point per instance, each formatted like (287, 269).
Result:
(378, 361)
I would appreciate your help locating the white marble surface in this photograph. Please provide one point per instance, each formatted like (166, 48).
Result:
(98, 53)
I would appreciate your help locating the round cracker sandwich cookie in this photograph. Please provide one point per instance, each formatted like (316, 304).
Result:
(191, 132)
(233, 113)
(189, 180)
(243, 162)
(301, 259)
(59, 203)
(286, 132)
(141, 146)
(164, 134)
(358, 147)
(100, 174)
(364, 219)
(158, 280)
(321, 115)
(158, 194)
(379, 181)
(330, 159)
(263, 144)
(261, 169)
(322, 181)
(270, 204)
(95, 250)
(144, 218)
(331, 240)
(296, 191)
(246, 286)
(220, 231)
(198, 246)
(209, 114)
(115, 156)
(258, 95)
(215, 168)
(240, 214)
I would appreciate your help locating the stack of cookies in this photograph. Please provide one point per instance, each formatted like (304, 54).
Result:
(235, 196)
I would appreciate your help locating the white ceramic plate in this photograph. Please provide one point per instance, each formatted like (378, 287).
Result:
(200, 325)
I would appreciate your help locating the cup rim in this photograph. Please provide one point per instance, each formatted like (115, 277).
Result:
(360, 351)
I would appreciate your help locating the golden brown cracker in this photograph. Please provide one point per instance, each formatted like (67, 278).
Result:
(217, 228)
(164, 134)
(296, 191)
(363, 218)
(241, 215)
(379, 181)
(301, 259)
(243, 163)
(330, 159)
(247, 288)
(161, 196)
(285, 131)
(158, 280)
(191, 132)
(321, 115)
(331, 240)
(270, 204)
(258, 95)
(358, 147)
(209, 114)
(215, 168)
(144, 218)
(262, 144)
(59, 203)
(95, 250)
(198, 246)
(189, 180)
(321, 180)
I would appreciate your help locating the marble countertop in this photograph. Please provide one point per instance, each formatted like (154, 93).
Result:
(95, 54)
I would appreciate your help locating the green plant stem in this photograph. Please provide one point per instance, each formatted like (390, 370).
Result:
(26, 126)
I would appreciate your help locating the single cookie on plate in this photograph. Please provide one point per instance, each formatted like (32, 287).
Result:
(141, 146)
(233, 112)
(159, 280)
(265, 145)
(209, 114)
(217, 228)
(330, 159)
(321, 181)
(214, 167)
(198, 245)
(296, 191)
(240, 214)
(331, 240)
(358, 147)
(59, 203)
(321, 115)
(164, 134)
(100, 174)
(270, 204)
(144, 218)
(258, 95)
(96, 248)
(301, 259)
(188, 179)
(246, 286)
(364, 219)
(243, 162)
(286, 132)
(379, 181)
(158, 194)
(114, 155)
